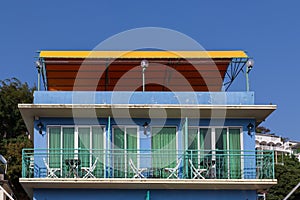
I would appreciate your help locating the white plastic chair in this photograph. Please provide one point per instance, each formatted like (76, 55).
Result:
(137, 171)
(174, 171)
(90, 170)
(197, 172)
(50, 171)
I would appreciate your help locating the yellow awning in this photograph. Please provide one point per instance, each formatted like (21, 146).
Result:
(143, 54)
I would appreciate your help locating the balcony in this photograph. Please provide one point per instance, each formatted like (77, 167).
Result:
(146, 164)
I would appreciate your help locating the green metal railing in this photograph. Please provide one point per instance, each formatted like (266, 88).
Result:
(101, 163)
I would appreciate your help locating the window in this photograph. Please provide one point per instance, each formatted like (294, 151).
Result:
(125, 147)
(163, 145)
(83, 142)
(221, 145)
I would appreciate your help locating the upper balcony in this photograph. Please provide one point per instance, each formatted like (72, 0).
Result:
(152, 169)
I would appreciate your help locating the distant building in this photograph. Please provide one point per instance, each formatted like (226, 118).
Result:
(6, 191)
(276, 143)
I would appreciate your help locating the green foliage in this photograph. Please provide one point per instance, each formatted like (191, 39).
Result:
(262, 129)
(13, 92)
(13, 137)
(288, 176)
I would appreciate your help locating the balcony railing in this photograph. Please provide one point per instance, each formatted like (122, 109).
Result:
(161, 164)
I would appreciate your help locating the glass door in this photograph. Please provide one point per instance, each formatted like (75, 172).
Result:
(84, 146)
(125, 145)
(68, 145)
(98, 150)
(221, 155)
(235, 153)
(54, 146)
(163, 145)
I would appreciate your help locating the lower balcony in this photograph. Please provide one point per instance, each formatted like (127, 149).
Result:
(145, 164)
(147, 169)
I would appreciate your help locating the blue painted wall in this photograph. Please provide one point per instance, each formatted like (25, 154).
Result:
(40, 140)
(218, 98)
(80, 194)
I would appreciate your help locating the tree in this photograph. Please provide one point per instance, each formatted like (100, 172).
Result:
(288, 176)
(13, 92)
(262, 129)
(13, 132)
(12, 151)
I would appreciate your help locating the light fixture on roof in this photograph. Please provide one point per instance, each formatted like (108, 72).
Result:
(249, 66)
(144, 65)
(38, 66)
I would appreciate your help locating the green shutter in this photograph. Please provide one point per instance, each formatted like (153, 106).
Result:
(163, 146)
(118, 138)
(193, 145)
(205, 139)
(193, 152)
(131, 134)
(221, 153)
(84, 146)
(234, 149)
(68, 146)
(131, 146)
(98, 151)
(118, 153)
(54, 143)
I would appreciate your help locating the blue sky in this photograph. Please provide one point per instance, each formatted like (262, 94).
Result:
(268, 30)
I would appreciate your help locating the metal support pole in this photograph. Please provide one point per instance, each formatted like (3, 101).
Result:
(148, 195)
(39, 79)
(247, 79)
(249, 66)
(144, 79)
(144, 65)
(186, 129)
(108, 151)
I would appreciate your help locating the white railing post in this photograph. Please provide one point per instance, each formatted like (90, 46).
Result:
(6, 193)
(293, 190)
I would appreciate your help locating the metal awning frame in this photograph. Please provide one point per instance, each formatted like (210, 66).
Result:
(235, 67)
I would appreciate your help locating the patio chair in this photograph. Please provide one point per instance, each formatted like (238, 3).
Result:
(50, 171)
(90, 170)
(213, 170)
(137, 171)
(174, 171)
(197, 172)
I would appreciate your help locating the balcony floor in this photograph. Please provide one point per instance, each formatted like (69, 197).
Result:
(104, 183)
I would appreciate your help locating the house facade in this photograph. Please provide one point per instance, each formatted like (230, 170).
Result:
(144, 125)
(278, 144)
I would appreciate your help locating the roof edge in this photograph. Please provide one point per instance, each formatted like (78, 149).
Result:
(143, 54)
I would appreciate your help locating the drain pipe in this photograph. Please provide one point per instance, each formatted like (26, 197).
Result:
(147, 195)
